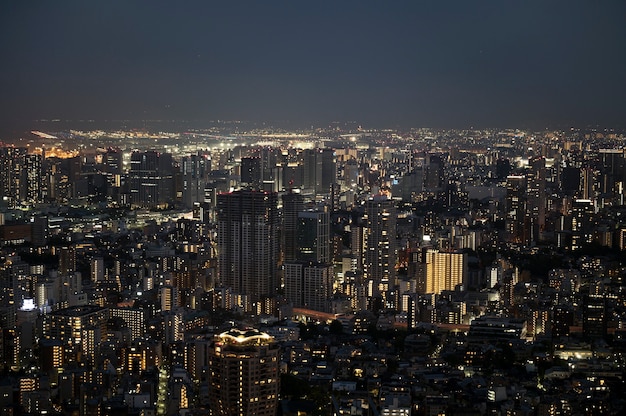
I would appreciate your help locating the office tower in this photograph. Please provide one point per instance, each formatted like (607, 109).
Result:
(269, 160)
(351, 174)
(329, 170)
(515, 206)
(309, 285)
(444, 271)
(312, 166)
(113, 162)
(570, 180)
(293, 203)
(194, 171)
(243, 374)
(251, 174)
(313, 236)
(503, 168)
(248, 243)
(380, 244)
(612, 173)
(151, 179)
(434, 174)
(320, 169)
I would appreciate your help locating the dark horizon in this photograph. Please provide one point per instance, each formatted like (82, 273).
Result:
(528, 65)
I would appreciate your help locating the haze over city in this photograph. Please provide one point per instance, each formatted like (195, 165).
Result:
(452, 64)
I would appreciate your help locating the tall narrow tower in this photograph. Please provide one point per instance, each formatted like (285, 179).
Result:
(380, 244)
(293, 203)
(248, 246)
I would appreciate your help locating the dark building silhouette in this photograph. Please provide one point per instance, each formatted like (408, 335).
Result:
(151, 179)
(248, 244)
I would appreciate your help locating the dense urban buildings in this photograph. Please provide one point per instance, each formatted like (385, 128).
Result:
(338, 270)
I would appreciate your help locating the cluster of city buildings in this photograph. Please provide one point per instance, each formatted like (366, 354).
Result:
(432, 272)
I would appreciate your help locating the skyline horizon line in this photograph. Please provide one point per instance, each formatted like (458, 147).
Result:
(24, 126)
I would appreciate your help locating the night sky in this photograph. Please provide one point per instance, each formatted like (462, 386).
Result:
(536, 64)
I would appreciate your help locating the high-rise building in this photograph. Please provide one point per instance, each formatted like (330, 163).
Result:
(380, 244)
(444, 271)
(312, 166)
(434, 173)
(71, 325)
(170, 298)
(134, 317)
(594, 316)
(570, 180)
(194, 170)
(313, 236)
(243, 374)
(537, 201)
(320, 169)
(97, 269)
(293, 203)
(67, 260)
(33, 180)
(12, 161)
(582, 224)
(248, 243)
(612, 172)
(516, 200)
(251, 173)
(309, 285)
(151, 178)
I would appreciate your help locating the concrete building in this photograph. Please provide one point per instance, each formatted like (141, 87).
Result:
(243, 374)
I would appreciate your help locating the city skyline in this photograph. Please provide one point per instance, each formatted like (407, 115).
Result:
(405, 64)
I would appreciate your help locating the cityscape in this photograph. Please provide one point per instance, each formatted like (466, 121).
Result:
(244, 269)
(329, 208)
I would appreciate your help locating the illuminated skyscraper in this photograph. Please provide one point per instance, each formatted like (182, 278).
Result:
(12, 160)
(248, 243)
(444, 271)
(516, 201)
(194, 170)
(380, 244)
(243, 374)
(33, 180)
